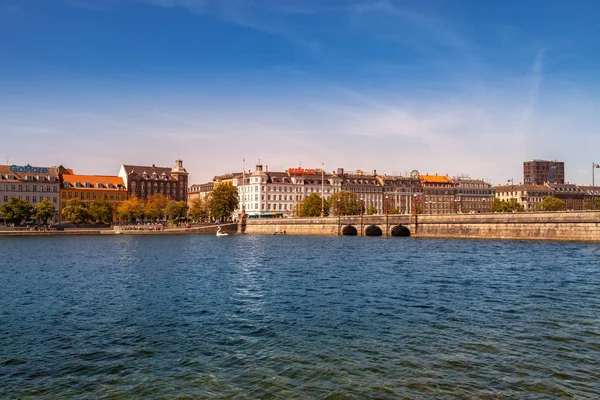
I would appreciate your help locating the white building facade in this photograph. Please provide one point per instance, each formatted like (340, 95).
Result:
(33, 184)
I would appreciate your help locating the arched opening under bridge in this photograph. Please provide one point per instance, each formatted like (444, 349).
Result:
(373, 230)
(400, 231)
(349, 230)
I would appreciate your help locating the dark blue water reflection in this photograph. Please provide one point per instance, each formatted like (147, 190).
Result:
(297, 317)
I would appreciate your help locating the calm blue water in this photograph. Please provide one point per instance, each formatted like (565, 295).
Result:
(283, 317)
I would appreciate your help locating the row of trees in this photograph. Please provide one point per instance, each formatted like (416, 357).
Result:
(17, 210)
(219, 205)
(347, 203)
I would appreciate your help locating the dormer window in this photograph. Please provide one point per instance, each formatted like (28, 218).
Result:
(111, 186)
(40, 178)
(99, 185)
(52, 179)
(67, 185)
(88, 185)
(29, 177)
(78, 184)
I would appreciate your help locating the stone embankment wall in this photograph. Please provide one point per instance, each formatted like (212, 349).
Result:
(548, 225)
(583, 225)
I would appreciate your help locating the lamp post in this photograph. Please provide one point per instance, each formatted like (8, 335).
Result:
(512, 188)
(339, 202)
(322, 190)
(594, 166)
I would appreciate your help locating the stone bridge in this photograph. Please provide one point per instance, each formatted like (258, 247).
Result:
(579, 225)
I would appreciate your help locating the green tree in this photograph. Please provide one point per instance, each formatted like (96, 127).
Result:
(347, 203)
(16, 210)
(44, 210)
(371, 210)
(551, 203)
(75, 210)
(176, 210)
(101, 211)
(130, 209)
(200, 208)
(506, 205)
(311, 206)
(224, 201)
(155, 207)
(393, 210)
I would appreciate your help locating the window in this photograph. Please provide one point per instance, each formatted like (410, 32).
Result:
(5, 198)
(70, 195)
(64, 195)
(34, 188)
(27, 198)
(34, 199)
(54, 200)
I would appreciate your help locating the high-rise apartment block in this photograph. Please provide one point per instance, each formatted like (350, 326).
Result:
(539, 172)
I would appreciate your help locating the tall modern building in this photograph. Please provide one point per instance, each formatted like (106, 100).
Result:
(539, 172)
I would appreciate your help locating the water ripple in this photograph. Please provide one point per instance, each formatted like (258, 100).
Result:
(288, 317)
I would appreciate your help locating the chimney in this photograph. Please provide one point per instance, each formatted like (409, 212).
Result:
(266, 168)
(153, 166)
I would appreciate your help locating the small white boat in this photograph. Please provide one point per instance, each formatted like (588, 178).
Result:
(220, 233)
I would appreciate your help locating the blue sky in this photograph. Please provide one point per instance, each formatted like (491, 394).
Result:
(449, 87)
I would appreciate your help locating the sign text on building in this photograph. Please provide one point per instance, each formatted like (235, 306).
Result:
(28, 168)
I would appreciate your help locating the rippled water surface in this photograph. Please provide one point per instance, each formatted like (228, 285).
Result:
(283, 317)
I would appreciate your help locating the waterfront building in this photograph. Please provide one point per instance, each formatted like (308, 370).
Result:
(590, 193)
(366, 186)
(200, 191)
(540, 172)
(572, 195)
(88, 188)
(33, 184)
(439, 194)
(529, 196)
(144, 181)
(264, 193)
(401, 193)
(473, 195)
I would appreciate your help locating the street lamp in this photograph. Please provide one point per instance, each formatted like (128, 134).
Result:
(594, 166)
(512, 188)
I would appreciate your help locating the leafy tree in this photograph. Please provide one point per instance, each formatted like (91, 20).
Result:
(101, 211)
(393, 210)
(311, 206)
(44, 210)
(506, 205)
(347, 203)
(16, 210)
(155, 207)
(551, 203)
(223, 201)
(372, 210)
(176, 210)
(130, 209)
(200, 208)
(75, 210)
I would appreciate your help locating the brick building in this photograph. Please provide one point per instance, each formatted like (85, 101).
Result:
(144, 181)
(539, 172)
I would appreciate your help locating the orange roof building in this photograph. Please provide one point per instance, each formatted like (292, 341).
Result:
(92, 187)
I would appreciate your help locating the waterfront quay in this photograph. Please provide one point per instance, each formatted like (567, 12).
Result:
(582, 225)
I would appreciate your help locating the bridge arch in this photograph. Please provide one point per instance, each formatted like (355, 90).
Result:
(349, 230)
(373, 230)
(400, 231)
